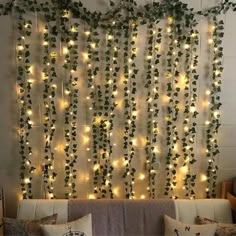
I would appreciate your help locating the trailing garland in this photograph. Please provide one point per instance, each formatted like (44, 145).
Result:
(216, 54)
(154, 11)
(49, 93)
(190, 113)
(95, 96)
(24, 84)
(69, 38)
(130, 72)
(172, 74)
(152, 84)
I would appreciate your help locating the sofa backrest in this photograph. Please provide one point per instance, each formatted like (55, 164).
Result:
(124, 217)
(127, 217)
(34, 209)
(215, 209)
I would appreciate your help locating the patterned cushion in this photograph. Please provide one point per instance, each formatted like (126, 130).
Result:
(222, 229)
(26, 227)
(79, 227)
(176, 228)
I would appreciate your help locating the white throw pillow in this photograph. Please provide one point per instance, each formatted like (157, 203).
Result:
(80, 227)
(176, 228)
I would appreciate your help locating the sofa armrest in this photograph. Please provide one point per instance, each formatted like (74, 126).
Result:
(226, 188)
(232, 200)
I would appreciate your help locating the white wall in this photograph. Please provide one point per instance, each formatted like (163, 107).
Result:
(9, 158)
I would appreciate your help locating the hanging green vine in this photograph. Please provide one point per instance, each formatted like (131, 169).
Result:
(215, 71)
(130, 73)
(172, 74)
(95, 95)
(152, 84)
(49, 93)
(24, 84)
(69, 39)
(190, 112)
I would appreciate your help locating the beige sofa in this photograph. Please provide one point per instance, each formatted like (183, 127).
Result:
(127, 217)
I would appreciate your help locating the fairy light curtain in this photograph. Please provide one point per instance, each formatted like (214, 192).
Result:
(97, 108)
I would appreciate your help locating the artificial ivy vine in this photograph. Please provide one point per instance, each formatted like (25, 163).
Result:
(124, 17)
(172, 74)
(69, 39)
(190, 111)
(152, 84)
(130, 73)
(24, 84)
(215, 71)
(49, 93)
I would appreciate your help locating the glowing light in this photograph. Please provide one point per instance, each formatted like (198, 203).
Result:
(65, 51)
(152, 172)
(67, 92)
(203, 178)
(93, 45)
(186, 46)
(71, 42)
(116, 191)
(86, 139)
(110, 37)
(142, 196)
(142, 176)
(184, 169)
(45, 43)
(87, 128)
(27, 180)
(170, 20)
(186, 128)
(96, 167)
(217, 72)
(87, 33)
(207, 122)
(29, 112)
(115, 93)
(168, 29)
(85, 56)
(210, 41)
(208, 92)
(192, 109)
(20, 48)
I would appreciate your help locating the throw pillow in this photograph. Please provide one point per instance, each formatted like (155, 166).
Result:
(222, 229)
(13, 227)
(176, 228)
(79, 227)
